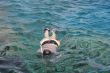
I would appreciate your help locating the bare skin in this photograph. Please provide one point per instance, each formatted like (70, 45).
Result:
(49, 46)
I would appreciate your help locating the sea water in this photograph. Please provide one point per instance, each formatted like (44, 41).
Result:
(82, 26)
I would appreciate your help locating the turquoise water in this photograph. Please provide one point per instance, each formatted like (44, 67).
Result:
(83, 27)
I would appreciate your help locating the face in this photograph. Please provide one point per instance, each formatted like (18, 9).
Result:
(46, 52)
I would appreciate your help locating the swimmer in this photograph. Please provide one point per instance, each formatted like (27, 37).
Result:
(49, 44)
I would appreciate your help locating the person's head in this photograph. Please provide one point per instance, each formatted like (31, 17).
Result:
(47, 52)
(7, 48)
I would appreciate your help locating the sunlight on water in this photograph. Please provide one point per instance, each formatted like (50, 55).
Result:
(82, 26)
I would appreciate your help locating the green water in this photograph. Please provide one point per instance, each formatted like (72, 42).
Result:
(82, 27)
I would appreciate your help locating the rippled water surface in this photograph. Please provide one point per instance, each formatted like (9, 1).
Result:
(83, 27)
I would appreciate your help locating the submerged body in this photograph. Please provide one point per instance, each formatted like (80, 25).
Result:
(52, 48)
(49, 44)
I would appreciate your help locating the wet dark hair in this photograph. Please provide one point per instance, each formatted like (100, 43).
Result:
(47, 52)
(7, 48)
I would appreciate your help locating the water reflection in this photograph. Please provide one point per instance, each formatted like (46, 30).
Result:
(83, 27)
